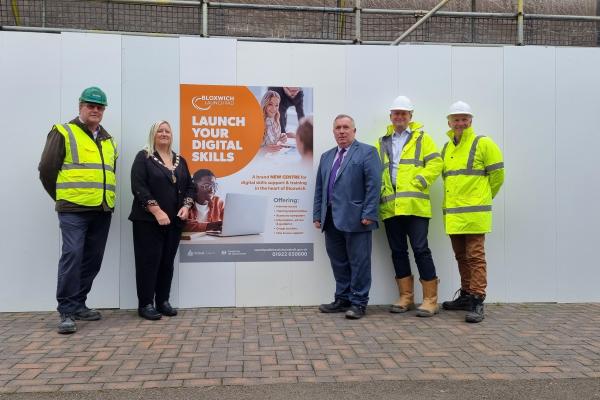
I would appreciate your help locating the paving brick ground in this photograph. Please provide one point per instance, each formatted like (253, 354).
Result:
(248, 346)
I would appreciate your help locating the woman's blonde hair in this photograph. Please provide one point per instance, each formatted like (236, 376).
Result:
(264, 102)
(150, 148)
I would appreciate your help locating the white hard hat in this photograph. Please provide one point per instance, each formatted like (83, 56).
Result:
(402, 103)
(460, 107)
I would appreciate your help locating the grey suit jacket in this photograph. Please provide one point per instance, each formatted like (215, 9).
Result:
(356, 189)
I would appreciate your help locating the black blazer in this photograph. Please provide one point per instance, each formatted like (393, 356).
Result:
(152, 181)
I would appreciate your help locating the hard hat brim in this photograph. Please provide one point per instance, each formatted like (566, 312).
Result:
(93, 102)
(460, 113)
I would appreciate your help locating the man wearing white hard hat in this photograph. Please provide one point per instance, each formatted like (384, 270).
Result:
(473, 174)
(411, 164)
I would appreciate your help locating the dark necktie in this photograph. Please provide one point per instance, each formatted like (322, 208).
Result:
(334, 171)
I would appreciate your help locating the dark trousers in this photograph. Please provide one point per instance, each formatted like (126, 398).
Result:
(154, 247)
(84, 236)
(350, 256)
(398, 229)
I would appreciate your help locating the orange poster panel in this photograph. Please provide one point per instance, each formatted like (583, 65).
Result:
(221, 127)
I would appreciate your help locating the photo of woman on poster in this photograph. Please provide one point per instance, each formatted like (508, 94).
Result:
(273, 138)
(290, 97)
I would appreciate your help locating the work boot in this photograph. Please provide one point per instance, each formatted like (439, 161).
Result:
(406, 301)
(476, 314)
(339, 305)
(462, 302)
(430, 296)
(67, 324)
(87, 314)
(356, 312)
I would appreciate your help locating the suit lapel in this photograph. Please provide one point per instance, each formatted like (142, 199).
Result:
(329, 163)
(346, 159)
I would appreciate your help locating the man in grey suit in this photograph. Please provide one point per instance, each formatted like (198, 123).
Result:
(346, 209)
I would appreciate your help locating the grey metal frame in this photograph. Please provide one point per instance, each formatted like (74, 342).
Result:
(358, 12)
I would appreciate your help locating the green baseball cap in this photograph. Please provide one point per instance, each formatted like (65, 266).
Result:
(93, 95)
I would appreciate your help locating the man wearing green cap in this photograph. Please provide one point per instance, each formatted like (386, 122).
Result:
(77, 170)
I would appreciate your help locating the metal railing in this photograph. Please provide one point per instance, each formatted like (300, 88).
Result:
(294, 23)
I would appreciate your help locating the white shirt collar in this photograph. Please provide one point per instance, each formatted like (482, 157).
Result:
(95, 133)
(407, 131)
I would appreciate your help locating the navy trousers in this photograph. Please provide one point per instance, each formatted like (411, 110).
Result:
(84, 236)
(350, 256)
(398, 229)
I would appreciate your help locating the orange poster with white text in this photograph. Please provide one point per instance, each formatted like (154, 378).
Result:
(220, 125)
(250, 153)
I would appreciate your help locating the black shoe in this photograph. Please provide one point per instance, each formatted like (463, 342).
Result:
(339, 305)
(462, 302)
(149, 312)
(165, 309)
(67, 324)
(356, 312)
(87, 314)
(476, 314)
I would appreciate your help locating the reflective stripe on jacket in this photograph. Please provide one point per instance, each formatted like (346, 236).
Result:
(419, 166)
(473, 174)
(87, 176)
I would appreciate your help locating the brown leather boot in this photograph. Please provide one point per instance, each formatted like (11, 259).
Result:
(406, 301)
(430, 296)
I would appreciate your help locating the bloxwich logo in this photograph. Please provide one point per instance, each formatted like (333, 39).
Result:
(205, 102)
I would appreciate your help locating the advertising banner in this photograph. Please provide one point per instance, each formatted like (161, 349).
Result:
(250, 153)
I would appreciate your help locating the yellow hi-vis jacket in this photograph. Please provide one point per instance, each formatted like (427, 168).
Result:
(473, 174)
(87, 176)
(419, 166)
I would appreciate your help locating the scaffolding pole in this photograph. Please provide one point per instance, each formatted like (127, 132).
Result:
(419, 22)
(204, 18)
(520, 36)
(357, 23)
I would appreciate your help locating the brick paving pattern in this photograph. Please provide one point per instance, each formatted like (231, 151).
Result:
(247, 346)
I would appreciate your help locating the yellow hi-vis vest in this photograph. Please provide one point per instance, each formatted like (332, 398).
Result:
(473, 174)
(88, 174)
(419, 166)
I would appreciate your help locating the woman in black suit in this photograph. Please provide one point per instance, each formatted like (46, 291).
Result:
(163, 194)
